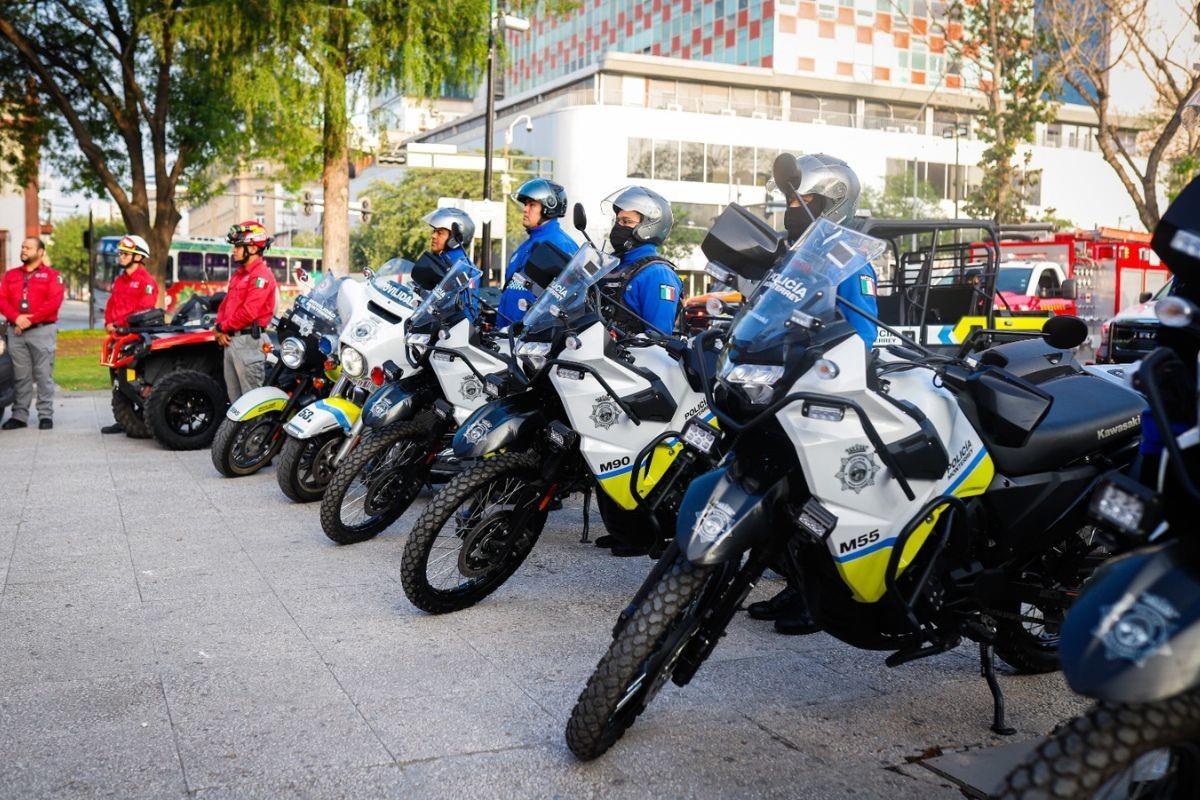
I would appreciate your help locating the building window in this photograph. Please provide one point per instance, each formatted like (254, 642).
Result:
(717, 164)
(260, 197)
(743, 166)
(691, 161)
(666, 161)
(639, 163)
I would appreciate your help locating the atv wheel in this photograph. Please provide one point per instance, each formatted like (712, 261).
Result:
(306, 465)
(377, 482)
(246, 446)
(463, 546)
(1149, 750)
(639, 661)
(128, 415)
(184, 410)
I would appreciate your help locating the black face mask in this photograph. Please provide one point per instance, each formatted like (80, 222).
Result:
(621, 238)
(796, 219)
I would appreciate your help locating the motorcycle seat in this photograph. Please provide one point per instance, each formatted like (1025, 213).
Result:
(1088, 415)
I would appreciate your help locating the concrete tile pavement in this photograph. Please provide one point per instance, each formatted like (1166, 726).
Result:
(169, 633)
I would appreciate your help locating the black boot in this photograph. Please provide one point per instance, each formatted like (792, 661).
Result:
(775, 607)
(114, 428)
(797, 622)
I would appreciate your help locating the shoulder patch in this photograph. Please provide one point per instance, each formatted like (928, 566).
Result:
(867, 284)
(149, 288)
(259, 283)
(667, 292)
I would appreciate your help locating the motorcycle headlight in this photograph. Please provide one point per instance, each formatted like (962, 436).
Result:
(291, 352)
(535, 353)
(353, 363)
(756, 380)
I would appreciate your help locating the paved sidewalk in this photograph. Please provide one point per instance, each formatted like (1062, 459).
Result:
(170, 633)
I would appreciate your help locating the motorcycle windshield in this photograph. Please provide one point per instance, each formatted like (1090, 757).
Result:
(450, 297)
(390, 280)
(801, 291)
(565, 300)
(321, 304)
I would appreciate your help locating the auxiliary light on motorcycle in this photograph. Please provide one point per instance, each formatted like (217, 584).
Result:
(353, 362)
(699, 436)
(535, 353)
(1125, 507)
(826, 370)
(377, 376)
(291, 352)
(327, 345)
(826, 413)
(756, 380)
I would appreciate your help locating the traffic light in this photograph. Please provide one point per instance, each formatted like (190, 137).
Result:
(365, 207)
(308, 205)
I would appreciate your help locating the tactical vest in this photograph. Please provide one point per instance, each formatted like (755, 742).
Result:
(612, 294)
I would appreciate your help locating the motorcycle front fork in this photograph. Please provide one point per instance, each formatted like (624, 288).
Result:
(351, 440)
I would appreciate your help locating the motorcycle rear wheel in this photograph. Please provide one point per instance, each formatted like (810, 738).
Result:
(464, 542)
(243, 447)
(1144, 750)
(306, 465)
(639, 661)
(377, 483)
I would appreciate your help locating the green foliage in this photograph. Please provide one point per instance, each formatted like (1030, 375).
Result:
(686, 235)
(397, 209)
(1180, 172)
(66, 251)
(306, 239)
(1007, 50)
(896, 201)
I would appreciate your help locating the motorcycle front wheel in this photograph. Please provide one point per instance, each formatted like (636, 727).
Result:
(639, 661)
(306, 465)
(1125, 750)
(474, 533)
(243, 447)
(377, 483)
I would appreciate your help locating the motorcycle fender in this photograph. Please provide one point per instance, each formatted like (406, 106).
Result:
(257, 402)
(1133, 636)
(498, 424)
(395, 402)
(321, 416)
(719, 519)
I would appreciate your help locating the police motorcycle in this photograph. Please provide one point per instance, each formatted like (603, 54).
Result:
(594, 413)
(324, 432)
(918, 498)
(300, 373)
(1131, 641)
(406, 420)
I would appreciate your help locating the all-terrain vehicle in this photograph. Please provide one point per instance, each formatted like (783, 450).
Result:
(168, 378)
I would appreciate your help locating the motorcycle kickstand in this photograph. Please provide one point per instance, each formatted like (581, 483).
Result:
(987, 668)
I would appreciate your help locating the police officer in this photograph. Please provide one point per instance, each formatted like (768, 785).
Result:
(30, 297)
(443, 240)
(133, 290)
(645, 283)
(247, 308)
(827, 188)
(544, 203)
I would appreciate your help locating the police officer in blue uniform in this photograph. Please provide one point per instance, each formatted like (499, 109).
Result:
(828, 188)
(645, 284)
(544, 203)
(447, 242)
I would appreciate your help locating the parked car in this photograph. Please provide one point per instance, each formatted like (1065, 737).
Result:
(1130, 335)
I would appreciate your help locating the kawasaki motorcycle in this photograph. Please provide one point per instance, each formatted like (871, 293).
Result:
(1132, 639)
(596, 412)
(917, 498)
(300, 373)
(322, 433)
(406, 420)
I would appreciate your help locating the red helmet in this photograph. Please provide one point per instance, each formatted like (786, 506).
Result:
(249, 232)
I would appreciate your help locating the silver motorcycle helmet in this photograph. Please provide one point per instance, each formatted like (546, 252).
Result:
(657, 218)
(552, 196)
(826, 177)
(446, 217)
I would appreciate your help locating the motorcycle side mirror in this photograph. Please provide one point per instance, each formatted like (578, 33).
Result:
(1068, 290)
(368, 273)
(1144, 297)
(580, 217)
(786, 174)
(1065, 332)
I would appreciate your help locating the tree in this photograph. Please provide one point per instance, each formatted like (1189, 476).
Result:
(686, 235)
(897, 200)
(1152, 44)
(66, 251)
(397, 227)
(129, 99)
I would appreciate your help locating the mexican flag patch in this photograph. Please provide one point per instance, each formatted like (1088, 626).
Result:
(260, 283)
(149, 288)
(867, 284)
(667, 292)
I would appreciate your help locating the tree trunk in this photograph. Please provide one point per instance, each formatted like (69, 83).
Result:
(335, 176)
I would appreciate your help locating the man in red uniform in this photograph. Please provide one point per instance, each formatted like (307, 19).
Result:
(133, 290)
(247, 308)
(30, 296)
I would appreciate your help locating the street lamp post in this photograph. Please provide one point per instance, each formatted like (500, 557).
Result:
(958, 130)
